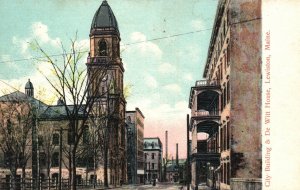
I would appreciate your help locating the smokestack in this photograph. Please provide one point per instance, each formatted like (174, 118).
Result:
(166, 145)
(177, 154)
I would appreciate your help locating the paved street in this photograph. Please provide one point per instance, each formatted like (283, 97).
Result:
(169, 186)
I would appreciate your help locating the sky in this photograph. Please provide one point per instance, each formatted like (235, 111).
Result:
(160, 72)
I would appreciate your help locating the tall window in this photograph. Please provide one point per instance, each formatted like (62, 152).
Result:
(228, 135)
(152, 165)
(71, 136)
(9, 127)
(102, 49)
(40, 140)
(228, 173)
(153, 155)
(55, 139)
(42, 158)
(85, 135)
(55, 159)
(228, 91)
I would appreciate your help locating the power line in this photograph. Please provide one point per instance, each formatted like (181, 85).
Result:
(127, 44)
(133, 43)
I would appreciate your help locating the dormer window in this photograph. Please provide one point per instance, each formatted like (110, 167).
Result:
(102, 48)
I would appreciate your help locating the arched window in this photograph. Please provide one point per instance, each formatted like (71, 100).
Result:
(102, 49)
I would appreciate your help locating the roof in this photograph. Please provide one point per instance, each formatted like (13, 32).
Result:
(29, 85)
(135, 111)
(18, 96)
(59, 112)
(171, 166)
(104, 18)
(152, 143)
(45, 112)
(215, 31)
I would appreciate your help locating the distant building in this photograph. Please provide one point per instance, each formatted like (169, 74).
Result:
(153, 158)
(226, 105)
(135, 146)
(176, 170)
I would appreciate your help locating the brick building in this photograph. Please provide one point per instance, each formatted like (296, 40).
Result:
(135, 146)
(104, 55)
(226, 105)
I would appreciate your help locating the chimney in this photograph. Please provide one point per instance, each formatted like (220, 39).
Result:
(177, 154)
(166, 146)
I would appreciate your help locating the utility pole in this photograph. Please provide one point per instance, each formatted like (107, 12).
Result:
(188, 152)
(60, 158)
(177, 161)
(35, 155)
(166, 157)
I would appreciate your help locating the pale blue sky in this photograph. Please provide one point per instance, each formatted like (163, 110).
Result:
(161, 72)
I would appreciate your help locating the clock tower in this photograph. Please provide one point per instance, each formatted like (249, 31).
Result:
(105, 75)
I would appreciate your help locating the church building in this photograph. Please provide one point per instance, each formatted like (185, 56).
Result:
(103, 59)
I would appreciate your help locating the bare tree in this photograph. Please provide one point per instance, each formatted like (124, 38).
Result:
(76, 87)
(16, 119)
(48, 140)
(102, 126)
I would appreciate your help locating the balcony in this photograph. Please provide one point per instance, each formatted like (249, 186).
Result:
(207, 83)
(98, 60)
(204, 90)
(203, 114)
(212, 157)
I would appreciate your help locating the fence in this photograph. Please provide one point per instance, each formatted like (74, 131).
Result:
(26, 184)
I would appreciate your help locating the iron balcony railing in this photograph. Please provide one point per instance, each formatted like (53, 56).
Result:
(204, 113)
(207, 83)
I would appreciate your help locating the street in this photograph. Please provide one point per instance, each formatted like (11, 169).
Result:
(170, 186)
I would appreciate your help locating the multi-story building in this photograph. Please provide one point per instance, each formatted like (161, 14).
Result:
(226, 105)
(104, 55)
(135, 146)
(153, 158)
(103, 59)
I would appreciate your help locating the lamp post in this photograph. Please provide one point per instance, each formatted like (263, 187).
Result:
(35, 149)
(188, 153)
(60, 157)
(60, 130)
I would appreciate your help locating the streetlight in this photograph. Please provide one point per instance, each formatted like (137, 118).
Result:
(60, 157)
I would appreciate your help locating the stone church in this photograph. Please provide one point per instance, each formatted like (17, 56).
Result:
(104, 55)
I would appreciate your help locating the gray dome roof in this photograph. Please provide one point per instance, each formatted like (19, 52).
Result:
(28, 85)
(104, 18)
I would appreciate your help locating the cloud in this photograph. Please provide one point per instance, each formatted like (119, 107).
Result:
(145, 47)
(197, 24)
(173, 88)
(40, 32)
(166, 68)
(188, 77)
(151, 81)
(82, 45)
